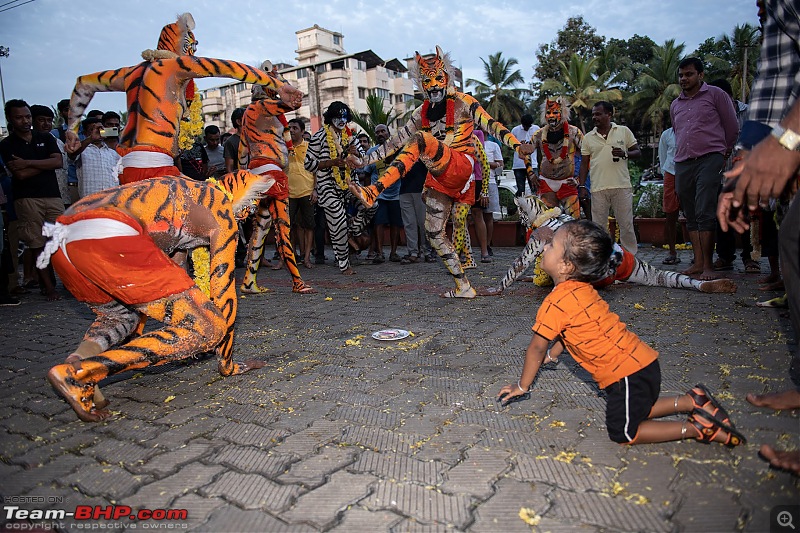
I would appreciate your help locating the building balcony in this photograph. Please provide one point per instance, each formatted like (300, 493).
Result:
(337, 79)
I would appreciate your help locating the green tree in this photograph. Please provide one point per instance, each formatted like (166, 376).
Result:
(581, 86)
(636, 52)
(375, 115)
(658, 86)
(739, 52)
(499, 94)
(576, 37)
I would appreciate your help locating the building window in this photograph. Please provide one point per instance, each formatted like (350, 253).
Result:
(382, 93)
(338, 65)
(337, 40)
(302, 73)
(362, 93)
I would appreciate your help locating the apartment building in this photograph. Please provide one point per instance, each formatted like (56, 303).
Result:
(325, 72)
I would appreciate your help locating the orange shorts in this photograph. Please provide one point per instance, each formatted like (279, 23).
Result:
(671, 202)
(133, 174)
(624, 271)
(454, 179)
(110, 257)
(565, 191)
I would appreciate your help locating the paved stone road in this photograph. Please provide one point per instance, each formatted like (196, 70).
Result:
(345, 433)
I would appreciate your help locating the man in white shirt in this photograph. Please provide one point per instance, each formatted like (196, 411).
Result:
(95, 161)
(523, 133)
(215, 151)
(495, 157)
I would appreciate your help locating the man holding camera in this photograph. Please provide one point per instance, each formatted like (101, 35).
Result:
(95, 161)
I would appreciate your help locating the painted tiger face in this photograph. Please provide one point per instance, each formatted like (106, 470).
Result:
(178, 36)
(433, 75)
(553, 112)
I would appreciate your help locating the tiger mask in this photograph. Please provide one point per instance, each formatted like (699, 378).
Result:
(554, 111)
(178, 37)
(245, 190)
(434, 75)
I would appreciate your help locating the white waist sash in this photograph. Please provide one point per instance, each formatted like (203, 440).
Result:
(144, 159)
(263, 169)
(93, 228)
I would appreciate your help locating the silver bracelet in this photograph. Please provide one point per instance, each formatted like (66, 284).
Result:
(547, 354)
(520, 387)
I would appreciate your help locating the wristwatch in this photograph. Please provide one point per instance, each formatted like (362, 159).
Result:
(789, 139)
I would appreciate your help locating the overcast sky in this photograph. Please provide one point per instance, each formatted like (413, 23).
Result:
(54, 41)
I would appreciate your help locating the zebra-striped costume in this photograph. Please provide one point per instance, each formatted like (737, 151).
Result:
(532, 208)
(334, 200)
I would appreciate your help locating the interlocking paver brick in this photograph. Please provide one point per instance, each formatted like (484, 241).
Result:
(110, 481)
(166, 463)
(423, 503)
(612, 513)
(321, 506)
(368, 416)
(448, 445)
(563, 471)
(252, 491)
(198, 508)
(119, 452)
(159, 493)
(314, 470)
(43, 454)
(476, 474)
(41, 477)
(360, 519)
(398, 467)
(231, 518)
(252, 460)
(377, 439)
(249, 434)
(309, 439)
(501, 511)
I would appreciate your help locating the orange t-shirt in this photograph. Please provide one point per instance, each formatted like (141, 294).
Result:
(596, 337)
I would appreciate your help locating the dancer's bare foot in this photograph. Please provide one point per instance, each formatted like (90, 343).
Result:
(100, 401)
(718, 286)
(348, 272)
(79, 398)
(779, 459)
(305, 290)
(253, 288)
(788, 399)
(307, 263)
(277, 266)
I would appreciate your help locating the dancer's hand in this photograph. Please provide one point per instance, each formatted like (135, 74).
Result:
(525, 149)
(290, 95)
(354, 161)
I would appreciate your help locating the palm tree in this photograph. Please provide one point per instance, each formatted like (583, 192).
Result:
(581, 86)
(375, 115)
(657, 85)
(611, 60)
(499, 94)
(737, 53)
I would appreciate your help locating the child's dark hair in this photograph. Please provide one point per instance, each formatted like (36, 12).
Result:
(589, 248)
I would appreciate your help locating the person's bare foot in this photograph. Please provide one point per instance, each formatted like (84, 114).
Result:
(52, 296)
(692, 270)
(774, 286)
(788, 399)
(718, 286)
(771, 278)
(348, 272)
(277, 266)
(707, 275)
(781, 459)
(307, 263)
(79, 398)
(466, 292)
(490, 291)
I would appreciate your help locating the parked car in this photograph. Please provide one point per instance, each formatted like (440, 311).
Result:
(507, 187)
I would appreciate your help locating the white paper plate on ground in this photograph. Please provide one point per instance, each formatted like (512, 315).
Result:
(390, 334)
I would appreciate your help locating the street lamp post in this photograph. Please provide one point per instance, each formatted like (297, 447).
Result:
(4, 52)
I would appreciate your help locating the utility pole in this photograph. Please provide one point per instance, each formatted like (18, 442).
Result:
(4, 52)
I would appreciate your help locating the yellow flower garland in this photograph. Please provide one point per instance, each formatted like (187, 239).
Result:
(201, 261)
(193, 128)
(338, 175)
(221, 187)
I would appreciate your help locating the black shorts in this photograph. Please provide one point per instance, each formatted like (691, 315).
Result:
(630, 401)
(301, 212)
(388, 213)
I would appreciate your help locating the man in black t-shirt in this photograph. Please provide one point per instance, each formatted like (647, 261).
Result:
(32, 159)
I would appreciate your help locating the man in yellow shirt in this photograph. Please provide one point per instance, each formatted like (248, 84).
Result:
(302, 192)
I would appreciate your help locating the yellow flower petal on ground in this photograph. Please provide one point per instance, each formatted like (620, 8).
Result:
(529, 516)
(169, 399)
(328, 298)
(638, 306)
